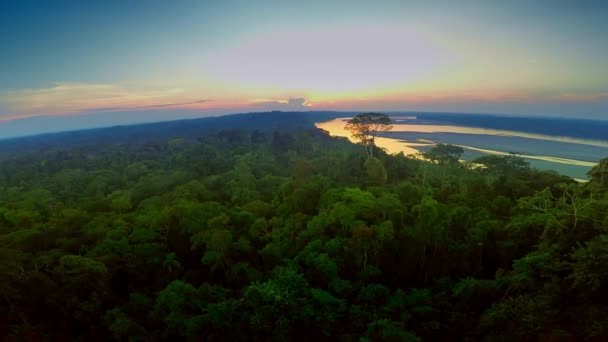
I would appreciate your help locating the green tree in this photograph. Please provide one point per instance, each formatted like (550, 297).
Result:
(599, 173)
(444, 154)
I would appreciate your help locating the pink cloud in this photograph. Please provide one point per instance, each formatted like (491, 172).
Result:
(571, 97)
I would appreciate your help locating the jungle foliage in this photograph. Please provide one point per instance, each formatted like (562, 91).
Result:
(247, 235)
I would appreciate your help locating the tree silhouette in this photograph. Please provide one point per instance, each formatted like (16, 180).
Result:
(365, 127)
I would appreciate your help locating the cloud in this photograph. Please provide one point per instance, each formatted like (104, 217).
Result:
(291, 104)
(173, 104)
(154, 106)
(571, 97)
(297, 102)
(69, 98)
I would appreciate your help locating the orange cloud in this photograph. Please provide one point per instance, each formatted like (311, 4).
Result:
(72, 98)
(69, 98)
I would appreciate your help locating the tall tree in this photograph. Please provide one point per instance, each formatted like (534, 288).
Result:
(599, 173)
(365, 127)
(444, 154)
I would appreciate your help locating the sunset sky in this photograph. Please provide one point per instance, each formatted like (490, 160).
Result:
(152, 60)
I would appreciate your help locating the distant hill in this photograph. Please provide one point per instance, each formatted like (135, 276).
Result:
(187, 129)
(288, 121)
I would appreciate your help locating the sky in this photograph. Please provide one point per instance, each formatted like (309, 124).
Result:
(71, 64)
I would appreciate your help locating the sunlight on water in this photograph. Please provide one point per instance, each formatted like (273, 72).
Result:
(336, 128)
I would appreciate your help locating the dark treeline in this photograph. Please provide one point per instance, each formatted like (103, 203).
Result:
(188, 129)
(258, 235)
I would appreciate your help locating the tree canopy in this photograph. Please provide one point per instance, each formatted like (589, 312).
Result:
(281, 235)
(444, 154)
(365, 127)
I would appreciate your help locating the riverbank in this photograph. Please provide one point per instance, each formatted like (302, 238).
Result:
(567, 155)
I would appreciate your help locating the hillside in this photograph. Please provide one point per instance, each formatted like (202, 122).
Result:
(190, 129)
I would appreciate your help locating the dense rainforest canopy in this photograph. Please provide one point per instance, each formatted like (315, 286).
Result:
(293, 235)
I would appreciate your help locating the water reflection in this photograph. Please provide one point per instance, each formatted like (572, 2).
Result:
(336, 128)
